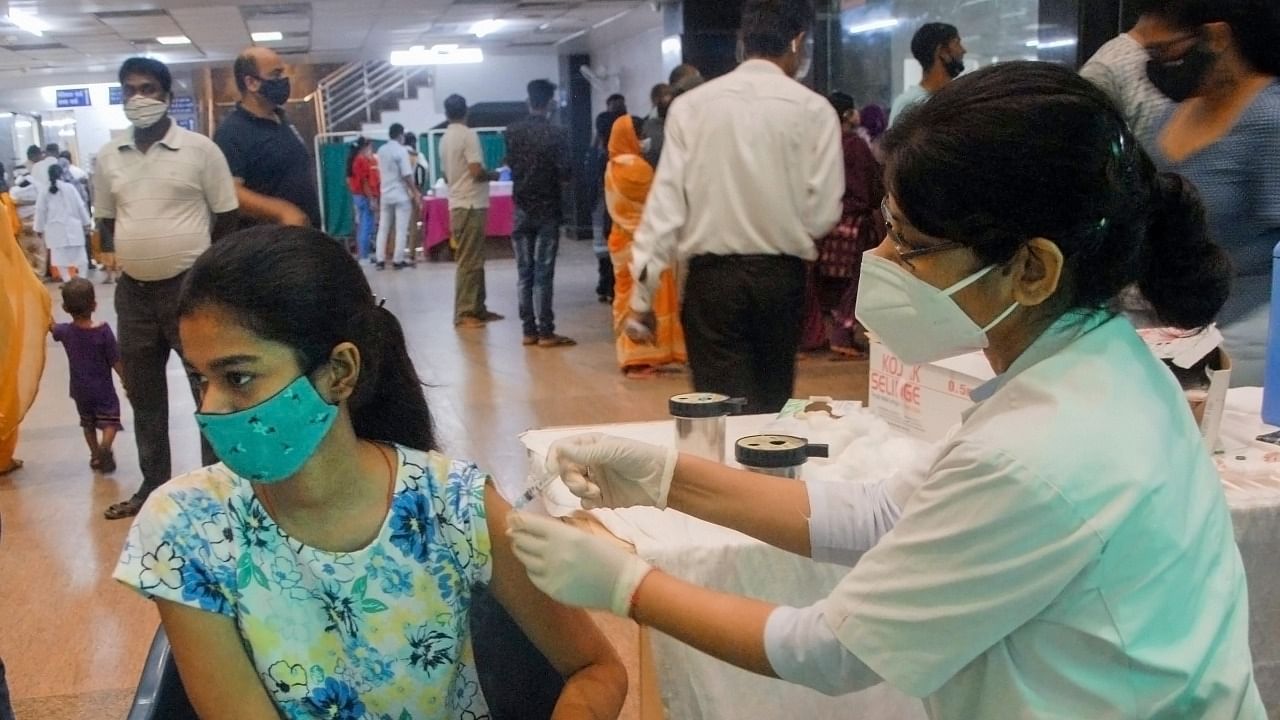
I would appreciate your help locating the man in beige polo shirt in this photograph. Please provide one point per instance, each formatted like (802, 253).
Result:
(463, 163)
(161, 195)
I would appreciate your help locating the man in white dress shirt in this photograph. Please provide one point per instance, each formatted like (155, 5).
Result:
(751, 172)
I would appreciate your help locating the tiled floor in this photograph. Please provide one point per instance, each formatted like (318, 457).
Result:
(74, 642)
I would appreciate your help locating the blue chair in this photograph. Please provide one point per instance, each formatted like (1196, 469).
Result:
(160, 695)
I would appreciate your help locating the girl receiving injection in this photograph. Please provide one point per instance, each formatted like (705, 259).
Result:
(325, 568)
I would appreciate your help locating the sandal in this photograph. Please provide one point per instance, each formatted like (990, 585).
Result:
(14, 467)
(125, 509)
(107, 462)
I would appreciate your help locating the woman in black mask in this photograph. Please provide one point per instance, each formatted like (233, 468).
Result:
(1224, 136)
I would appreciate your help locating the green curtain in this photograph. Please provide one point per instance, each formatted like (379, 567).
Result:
(338, 210)
(493, 143)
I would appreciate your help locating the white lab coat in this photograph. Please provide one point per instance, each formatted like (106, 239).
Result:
(1070, 554)
(63, 219)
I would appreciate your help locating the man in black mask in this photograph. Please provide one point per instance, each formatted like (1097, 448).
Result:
(275, 179)
(937, 47)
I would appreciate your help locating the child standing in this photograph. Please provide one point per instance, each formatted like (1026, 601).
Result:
(92, 354)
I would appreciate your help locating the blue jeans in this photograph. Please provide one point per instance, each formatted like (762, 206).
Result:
(536, 243)
(368, 224)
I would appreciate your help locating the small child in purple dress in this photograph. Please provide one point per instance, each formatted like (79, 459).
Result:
(92, 353)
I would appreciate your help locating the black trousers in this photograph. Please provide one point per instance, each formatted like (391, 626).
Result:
(147, 314)
(742, 319)
(6, 710)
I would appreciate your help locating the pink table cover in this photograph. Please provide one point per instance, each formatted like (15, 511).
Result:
(501, 219)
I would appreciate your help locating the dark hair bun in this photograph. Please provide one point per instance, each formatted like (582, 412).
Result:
(1188, 276)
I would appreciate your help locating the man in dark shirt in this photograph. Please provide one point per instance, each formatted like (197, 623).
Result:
(538, 155)
(275, 180)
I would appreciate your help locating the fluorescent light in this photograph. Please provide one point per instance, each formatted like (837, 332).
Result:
(173, 40)
(1050, 44)
(486, 27)
(28, 21)
(671, 45)
(873, 25)
(437, 55)
(267, 36)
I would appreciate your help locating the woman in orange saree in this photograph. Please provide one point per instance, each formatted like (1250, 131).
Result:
(25, 314)
(626, 185)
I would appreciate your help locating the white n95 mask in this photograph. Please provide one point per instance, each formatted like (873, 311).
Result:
(915, 320)
(143, 112)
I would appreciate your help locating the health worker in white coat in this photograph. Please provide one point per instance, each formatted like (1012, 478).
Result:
(1069, 553)
(63, 221)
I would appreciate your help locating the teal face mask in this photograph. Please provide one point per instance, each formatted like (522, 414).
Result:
(272, 440)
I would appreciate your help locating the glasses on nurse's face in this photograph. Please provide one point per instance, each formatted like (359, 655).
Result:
(906, 251)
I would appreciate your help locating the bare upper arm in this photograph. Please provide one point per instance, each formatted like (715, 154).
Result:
(217, 673)
(567, 636)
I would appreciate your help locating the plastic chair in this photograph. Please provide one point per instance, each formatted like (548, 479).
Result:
(160, 695)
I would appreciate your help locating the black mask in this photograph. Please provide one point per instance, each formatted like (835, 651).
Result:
(953, 67)
(1182, 78)
(275, 90)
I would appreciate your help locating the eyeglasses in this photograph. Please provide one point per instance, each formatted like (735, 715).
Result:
(906, 252)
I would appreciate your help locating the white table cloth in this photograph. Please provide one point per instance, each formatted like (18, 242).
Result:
(694, 685)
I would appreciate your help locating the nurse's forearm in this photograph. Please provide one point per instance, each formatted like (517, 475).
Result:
(724, 626)
(770, 509)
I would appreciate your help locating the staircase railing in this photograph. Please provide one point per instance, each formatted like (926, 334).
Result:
(353, 89)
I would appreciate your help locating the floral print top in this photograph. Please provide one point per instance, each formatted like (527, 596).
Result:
(376, 634)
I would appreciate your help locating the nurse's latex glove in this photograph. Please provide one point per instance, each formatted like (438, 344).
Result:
(612, 472)
(574, 567)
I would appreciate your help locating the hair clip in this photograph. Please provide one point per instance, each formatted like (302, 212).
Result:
(382, 302)
(1102, 224)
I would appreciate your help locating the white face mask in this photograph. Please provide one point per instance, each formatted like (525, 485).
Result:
(915, 320)
(143, 112)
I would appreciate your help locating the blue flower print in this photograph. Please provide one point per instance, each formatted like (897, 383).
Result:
(221, 538)
(411, 525)
(285, 573)
(339, 568)
(339, 609)
(253, 526)
(432, 648)
(162, 567)
(336, 700)
(202, 585)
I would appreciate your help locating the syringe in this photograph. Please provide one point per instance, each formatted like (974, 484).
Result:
(540, 478)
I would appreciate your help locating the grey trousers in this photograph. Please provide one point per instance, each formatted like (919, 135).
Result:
(468, 227)
(148, 318)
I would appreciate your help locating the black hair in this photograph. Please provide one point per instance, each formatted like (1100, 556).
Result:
(411, 141)
(1020, 150)
(619, 97)
(55, 174)
(540, 93)
(1255, 26)
(455, 108)
(300, 287)
(33, 152)
(243, 68)
(657, 92)
(65, 155)
(842, 102)
(1138, 8)
(927, 40)
(149, 67)
(52, 149)
(78, 297)
(769, 26)
(395, 131)
(352, 152)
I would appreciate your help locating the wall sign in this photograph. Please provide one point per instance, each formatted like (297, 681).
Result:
(116, 94)
(73, 97)
(183, 105)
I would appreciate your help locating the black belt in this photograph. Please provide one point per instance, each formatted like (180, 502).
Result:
(175, 280)
(703, 262)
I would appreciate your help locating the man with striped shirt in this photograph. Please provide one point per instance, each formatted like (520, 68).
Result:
(162, 194)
